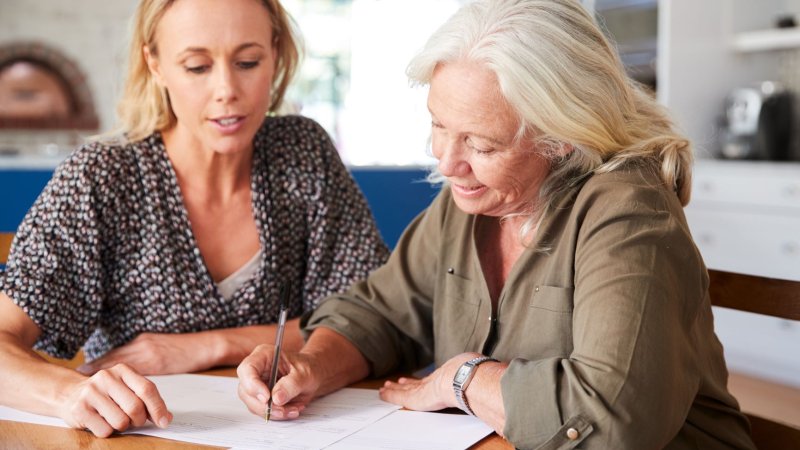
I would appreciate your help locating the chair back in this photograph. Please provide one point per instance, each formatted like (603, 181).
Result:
(771, 297)
(5, 246)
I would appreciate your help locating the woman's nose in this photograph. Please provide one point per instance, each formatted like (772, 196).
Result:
(224, 86)
(451, 159)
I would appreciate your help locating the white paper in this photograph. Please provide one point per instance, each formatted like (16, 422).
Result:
(16, 415)
(207, 410)
(415, 430)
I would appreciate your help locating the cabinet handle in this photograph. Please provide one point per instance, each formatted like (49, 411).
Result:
(792, 191)
(706, 239)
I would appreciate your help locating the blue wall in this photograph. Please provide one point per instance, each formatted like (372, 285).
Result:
(396, 196)
(18, 190)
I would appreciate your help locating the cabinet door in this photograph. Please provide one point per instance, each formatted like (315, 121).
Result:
(760, 346)
(771, 193)
(752, 243)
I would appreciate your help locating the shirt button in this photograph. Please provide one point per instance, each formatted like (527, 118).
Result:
(572, 434)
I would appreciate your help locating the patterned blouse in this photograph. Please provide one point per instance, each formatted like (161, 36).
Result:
(107, 251)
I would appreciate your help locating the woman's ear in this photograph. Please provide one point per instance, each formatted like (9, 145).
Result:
(153, 65)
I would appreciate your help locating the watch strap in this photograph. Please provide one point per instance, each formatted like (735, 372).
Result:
(460, 386)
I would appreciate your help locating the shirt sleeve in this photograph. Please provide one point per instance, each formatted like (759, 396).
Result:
(54, 270)
(639, 283)
(389, 316)
(344, 244)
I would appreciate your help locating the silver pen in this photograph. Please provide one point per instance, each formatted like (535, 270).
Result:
(273, 374)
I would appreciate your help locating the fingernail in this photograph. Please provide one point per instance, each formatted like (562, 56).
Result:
(293, 414)
(163, 422)
(277, 397)
(262, 398)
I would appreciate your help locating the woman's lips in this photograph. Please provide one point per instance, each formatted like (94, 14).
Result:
(468, 191)
(227, 125)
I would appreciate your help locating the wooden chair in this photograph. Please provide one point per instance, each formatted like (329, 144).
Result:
(5, 246)
(771, 297)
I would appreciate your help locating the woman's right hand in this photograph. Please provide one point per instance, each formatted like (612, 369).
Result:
(295, 388)
(114, 399)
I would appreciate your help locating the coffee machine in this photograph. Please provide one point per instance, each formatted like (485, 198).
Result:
(758, 123)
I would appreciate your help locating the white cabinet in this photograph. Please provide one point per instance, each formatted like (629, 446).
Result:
(745, 217)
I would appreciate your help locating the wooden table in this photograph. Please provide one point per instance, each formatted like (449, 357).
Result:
(18, 435)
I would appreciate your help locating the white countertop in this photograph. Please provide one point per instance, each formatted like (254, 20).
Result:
(31, 162)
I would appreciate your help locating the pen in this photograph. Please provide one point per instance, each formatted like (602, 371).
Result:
(273, 374)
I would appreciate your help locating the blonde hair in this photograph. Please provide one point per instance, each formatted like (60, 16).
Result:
(144, 107)
(567, 84)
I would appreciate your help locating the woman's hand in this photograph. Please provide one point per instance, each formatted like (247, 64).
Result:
(326, 363)
(435, 391)
(164, 353)
(431, 393)
(114, 399)
(155, 354)
(295, 388)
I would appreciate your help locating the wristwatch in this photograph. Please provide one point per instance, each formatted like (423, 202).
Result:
(463, 377)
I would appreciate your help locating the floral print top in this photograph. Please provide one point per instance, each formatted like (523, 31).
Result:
(107, 250)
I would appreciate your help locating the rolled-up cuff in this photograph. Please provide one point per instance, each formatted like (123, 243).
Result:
(533, 417)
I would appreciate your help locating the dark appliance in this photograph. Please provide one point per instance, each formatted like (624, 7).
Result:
(758, 123)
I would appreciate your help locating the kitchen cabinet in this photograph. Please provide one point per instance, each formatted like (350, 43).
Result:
(745, 217)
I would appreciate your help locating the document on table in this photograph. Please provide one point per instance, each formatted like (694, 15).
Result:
(207, 410)
(416, 430)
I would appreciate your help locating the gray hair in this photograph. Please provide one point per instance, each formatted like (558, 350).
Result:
(565, 80)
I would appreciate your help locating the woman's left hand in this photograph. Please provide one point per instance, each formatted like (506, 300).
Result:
(431, 393)
(154, 354)
(166, 353)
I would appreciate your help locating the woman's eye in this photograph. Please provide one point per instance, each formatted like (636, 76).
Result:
(247, 64)
(197, 69)
(477, 148)
(436, 125)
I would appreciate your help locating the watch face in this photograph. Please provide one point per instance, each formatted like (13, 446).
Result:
(461, 375)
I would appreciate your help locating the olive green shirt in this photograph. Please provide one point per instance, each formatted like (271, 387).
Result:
(605, 321)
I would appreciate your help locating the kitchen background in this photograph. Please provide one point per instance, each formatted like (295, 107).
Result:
(705, 60)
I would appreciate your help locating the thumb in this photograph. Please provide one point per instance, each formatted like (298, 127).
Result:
(286, 389)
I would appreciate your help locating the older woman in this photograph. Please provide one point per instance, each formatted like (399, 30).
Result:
(165, 253)
(554, 281)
